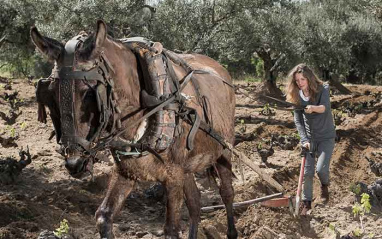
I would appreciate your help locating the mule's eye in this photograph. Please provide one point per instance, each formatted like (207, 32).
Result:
(90, 94)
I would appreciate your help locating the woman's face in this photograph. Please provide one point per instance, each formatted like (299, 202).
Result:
(301, 81)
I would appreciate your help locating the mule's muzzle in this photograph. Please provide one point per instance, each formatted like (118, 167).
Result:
(77, 165)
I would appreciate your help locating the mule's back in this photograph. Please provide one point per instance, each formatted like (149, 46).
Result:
(216, 87)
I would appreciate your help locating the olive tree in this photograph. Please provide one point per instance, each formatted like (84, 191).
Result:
(342, 37)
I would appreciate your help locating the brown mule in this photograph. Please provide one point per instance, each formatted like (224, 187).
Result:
(95, 75)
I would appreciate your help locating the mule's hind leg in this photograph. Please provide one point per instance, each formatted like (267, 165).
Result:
(174, 188)
(192, 194)
(118, 190)
(224, 168)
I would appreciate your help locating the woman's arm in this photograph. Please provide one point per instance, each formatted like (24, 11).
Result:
(315, 109)
(299, 122)
(323, 104)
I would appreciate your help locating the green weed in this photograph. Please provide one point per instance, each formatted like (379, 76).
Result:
(11, 131)
(63, 229)
(243, 127)
(23, 125)
(355, 188)
(360, 209)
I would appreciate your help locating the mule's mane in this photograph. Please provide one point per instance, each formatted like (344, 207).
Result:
(88, 46)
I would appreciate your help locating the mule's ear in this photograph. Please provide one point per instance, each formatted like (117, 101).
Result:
(49, 47)
(101, 34)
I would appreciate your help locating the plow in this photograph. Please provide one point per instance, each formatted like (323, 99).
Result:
(277, 200)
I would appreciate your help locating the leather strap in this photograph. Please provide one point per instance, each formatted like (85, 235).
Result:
(68, 73)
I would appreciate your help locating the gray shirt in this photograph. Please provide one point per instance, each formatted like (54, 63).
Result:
(319, 126)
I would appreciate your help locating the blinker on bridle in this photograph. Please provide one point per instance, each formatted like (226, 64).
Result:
(68, 74)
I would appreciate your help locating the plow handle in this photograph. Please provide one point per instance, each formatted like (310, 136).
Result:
(300, 179)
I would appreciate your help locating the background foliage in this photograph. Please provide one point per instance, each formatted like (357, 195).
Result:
(259, 38)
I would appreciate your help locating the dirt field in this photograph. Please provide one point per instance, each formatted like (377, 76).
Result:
(44, 194)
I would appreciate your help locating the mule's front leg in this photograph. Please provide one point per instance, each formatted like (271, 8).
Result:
(226, 192)
(174, 188)
(192, 194)
(118, 190)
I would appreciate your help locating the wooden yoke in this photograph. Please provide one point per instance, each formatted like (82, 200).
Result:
(158, 88)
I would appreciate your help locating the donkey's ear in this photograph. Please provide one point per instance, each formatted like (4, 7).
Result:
(101, 34)
(49, 47)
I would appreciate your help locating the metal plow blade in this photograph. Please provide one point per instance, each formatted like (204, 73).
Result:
(286, 201)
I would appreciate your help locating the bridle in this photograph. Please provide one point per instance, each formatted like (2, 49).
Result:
(68, 74)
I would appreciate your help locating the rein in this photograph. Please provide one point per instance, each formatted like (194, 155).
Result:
(106, 141)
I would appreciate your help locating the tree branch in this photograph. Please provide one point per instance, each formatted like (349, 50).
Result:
(3, 39)
(3, 65)
(68, 8)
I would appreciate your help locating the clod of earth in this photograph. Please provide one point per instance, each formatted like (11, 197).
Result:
(50, 235)
(7, 142)
(285, 142)
(11, 168)
(265, 151)
(10, 118)
(375, 163)
(10, 97)
(8, 87)
(8, 83)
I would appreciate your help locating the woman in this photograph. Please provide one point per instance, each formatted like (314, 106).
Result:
(315, 126)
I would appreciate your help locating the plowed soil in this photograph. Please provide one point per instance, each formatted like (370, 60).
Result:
(44, 194)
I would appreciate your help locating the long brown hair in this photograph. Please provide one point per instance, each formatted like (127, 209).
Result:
(292, 90)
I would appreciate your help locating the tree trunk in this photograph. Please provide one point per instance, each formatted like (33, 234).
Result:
(270, 88)
(325, 74)
(270, 74)
(333, 80)
(353, 77)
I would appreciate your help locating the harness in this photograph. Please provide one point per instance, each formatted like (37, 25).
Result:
(169, 101)
(161, 96)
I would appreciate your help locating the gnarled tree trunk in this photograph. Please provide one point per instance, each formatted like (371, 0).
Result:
(327, 75)
(333, 80)
(269, 86)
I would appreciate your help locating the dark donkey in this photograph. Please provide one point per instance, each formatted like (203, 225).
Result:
(98, 98)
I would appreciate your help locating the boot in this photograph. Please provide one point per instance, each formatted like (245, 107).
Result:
(325, 193)
(306, 206)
